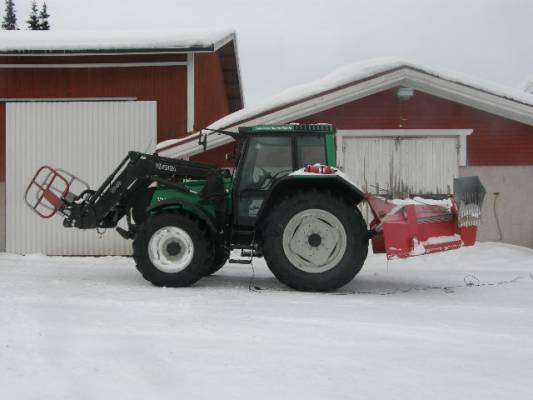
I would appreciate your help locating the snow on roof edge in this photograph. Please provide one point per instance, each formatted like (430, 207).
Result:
(360, 71)
(49, 41)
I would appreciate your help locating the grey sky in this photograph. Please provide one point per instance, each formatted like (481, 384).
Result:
(283, 43)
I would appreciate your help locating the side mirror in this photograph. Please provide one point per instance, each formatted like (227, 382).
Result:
(202, 140)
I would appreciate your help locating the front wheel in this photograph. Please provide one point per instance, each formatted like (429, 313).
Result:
(172, 249)
(315, 242)
(218, 260)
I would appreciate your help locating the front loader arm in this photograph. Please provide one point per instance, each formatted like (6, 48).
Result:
(104, 207)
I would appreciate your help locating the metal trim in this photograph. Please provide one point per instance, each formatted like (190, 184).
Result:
(190, 92)
(402, 132)
(96, 65)
(63, 99)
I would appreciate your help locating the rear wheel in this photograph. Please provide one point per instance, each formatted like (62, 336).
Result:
(172, 249)
(315, 242)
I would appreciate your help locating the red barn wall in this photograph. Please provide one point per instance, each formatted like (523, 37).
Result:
(494, 141)
(80, 59)
(166, 85)
(211, 102)
(216, 156)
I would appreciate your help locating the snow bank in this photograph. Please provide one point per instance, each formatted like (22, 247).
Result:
(107, 40)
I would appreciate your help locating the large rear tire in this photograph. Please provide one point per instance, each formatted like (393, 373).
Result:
(315, 241)
(172, 249)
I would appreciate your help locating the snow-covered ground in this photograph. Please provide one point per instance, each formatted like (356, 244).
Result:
(455, 325)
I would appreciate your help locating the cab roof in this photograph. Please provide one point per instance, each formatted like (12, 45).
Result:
(289, 128)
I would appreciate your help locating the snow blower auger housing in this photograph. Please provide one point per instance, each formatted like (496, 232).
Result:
(284, 200)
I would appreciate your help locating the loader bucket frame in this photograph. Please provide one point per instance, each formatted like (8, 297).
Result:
(44, 195)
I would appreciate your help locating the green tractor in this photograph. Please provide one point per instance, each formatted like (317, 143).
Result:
(284, 200)
(185, 218)
(307, 226)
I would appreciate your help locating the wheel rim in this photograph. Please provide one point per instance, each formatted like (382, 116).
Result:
(314, 240)
(170, 249)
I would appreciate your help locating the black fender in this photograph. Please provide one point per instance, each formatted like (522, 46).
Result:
(198, 211)
(322, 183)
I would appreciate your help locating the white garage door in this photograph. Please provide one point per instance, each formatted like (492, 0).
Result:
(88, 139)
(413, 165)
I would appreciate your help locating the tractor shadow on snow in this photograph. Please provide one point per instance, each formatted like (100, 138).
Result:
(361, 285)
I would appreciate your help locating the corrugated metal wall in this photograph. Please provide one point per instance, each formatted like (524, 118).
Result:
(86, 138)
(402, 165)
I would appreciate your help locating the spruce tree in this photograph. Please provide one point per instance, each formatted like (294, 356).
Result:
(44, 25)
(33, 20)
(10, 18)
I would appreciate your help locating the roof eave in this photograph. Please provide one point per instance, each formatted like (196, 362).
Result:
(470, 96)
(223, 41)
(87, 52)
(127, 50)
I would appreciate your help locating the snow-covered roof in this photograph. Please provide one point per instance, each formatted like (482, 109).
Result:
(364, 70)
(361, 79)
(114, 41)
(528, 85)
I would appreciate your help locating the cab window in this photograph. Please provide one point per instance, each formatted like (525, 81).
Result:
(267, 158)
(311, 150)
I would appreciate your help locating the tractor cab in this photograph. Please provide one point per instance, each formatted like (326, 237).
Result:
(270, 153)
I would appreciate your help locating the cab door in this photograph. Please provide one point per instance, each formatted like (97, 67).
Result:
(266, 159)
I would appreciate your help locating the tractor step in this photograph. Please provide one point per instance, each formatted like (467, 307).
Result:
(235, 261)
(249, 253)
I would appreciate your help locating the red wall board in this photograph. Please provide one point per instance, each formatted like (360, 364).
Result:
(211, 102)
(166, 85)
(216, 156)
(495, 140)
(80, 59)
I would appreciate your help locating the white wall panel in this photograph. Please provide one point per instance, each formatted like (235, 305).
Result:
(402, 165)
(410, 165)
(88, 139)
(428, 165)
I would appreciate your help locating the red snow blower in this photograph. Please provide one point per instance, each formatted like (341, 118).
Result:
(411, 227)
